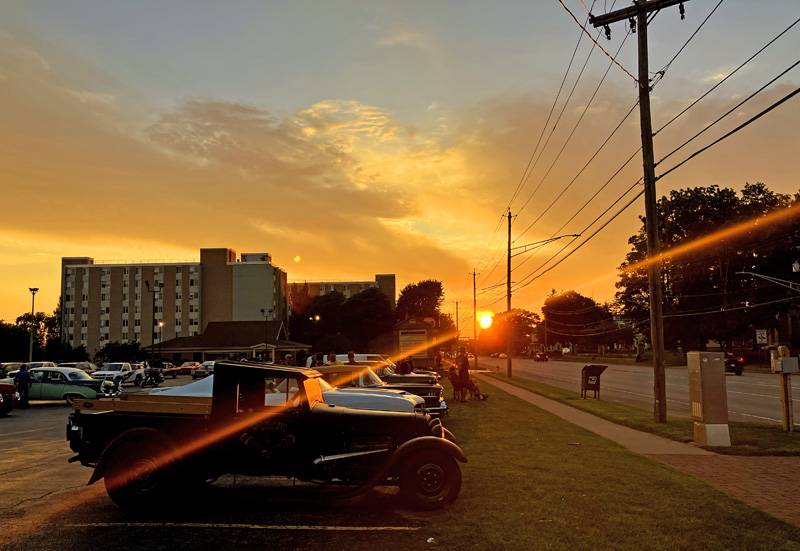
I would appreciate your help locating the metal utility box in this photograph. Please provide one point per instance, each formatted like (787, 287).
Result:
(709, 398)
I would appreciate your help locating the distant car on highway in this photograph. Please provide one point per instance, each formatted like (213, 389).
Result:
(734, 363)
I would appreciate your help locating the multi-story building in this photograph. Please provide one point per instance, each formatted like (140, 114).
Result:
(150, 302)
(384, 282)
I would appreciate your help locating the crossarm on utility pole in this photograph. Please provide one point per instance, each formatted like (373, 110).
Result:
(631, 11)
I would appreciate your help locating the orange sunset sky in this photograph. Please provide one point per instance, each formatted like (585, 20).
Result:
(361, 137)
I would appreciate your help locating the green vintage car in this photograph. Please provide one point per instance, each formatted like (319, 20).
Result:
(63, 383)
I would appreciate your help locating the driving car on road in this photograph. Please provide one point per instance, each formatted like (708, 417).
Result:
(150, 450)
(734, 363)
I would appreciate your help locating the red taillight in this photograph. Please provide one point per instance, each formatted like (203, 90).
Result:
(741, 360)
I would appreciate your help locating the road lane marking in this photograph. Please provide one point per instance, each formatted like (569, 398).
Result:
(27, 431)
(312, 527)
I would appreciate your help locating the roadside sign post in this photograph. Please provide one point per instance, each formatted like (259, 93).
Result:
(784, 365)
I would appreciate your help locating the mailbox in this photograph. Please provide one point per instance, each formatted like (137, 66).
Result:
(709, 398)
(590, 379)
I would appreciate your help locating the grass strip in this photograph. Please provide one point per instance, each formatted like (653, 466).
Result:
(746, 438)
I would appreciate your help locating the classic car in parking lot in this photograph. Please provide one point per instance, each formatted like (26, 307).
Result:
(205, 369)
(8, 397)
(362, 377)
(372, 399)
(187, 368)
(121, 372)
(66, 383)
(149, 450)
(88, 367)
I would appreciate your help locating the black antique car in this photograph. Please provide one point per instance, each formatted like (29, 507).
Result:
(262, 420)
(360, 375)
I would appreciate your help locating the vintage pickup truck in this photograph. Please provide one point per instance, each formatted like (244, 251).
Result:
(262, 420)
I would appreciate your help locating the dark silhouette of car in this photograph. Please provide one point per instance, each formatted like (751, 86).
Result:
(734, 363)
(541, 357)
(262, 420)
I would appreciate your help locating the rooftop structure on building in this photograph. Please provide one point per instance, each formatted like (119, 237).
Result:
(386, 283)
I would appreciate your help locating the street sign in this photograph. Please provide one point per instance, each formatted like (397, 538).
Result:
(761, 336)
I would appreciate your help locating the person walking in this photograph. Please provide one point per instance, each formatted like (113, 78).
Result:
(22, 380)
(465, 381)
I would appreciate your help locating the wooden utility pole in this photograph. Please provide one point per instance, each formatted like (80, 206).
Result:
(637, 16)
(457, 329)
(509, 327)
(475, 318)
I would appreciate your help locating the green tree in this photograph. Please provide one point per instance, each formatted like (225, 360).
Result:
(366, 316)
(13, 342)
(521, 323)
(704, 295)
(422, 300)
(572, 318)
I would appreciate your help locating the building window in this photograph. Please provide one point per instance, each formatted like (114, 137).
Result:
(178, 296)
(137, 323)
(124, 323)
(103, 296)
(124, 309)
(191, 282)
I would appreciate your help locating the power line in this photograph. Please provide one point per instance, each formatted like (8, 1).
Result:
(575, 178)
(749, 121)
(729, 75)
(721, 310)
(574, 129)
(583, 27)
(549, 115)
(728, 112)
(666, 67)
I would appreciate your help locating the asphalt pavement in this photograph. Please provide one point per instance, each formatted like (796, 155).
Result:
(45, 504)
(753, 397)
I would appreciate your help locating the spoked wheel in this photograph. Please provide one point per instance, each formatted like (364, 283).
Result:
(430, 479)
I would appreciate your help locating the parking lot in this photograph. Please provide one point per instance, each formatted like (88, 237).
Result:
(40, 488)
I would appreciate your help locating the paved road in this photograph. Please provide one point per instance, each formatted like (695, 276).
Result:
(752, 397)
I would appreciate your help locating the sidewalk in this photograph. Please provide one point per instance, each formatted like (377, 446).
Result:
(767, 483)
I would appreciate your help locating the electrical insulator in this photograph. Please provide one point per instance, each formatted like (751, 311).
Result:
(682, 10)
(608, 32)
(632, 22)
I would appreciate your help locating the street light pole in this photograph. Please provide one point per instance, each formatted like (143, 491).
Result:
(33, 291)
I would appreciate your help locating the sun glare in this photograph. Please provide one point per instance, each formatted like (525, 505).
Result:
(485, 320)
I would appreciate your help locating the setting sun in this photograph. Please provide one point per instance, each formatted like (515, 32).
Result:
(485, 320)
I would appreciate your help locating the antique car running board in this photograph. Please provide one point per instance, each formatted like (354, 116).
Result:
(327, 458)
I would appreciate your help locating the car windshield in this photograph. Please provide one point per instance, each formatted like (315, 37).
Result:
(371, 379)
(112, 367)
(78, 376)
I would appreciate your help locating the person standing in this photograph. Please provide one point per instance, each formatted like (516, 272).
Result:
(331, 357)
(22, 380)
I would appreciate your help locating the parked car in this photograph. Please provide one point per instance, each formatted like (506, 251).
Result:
(237, 431)
(68, 384)
(88, 367)
(371, 399)
(8, 397)
(361, 377)
(34, 365)
(121, 373)
(205, 369)
(5, 367)
(734, 363)
(502, 355)
(540, 357)
(187, 368)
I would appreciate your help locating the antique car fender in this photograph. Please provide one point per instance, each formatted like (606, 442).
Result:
(428, 442)
(141, 434)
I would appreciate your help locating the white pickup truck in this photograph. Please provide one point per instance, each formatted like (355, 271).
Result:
(121, 372)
